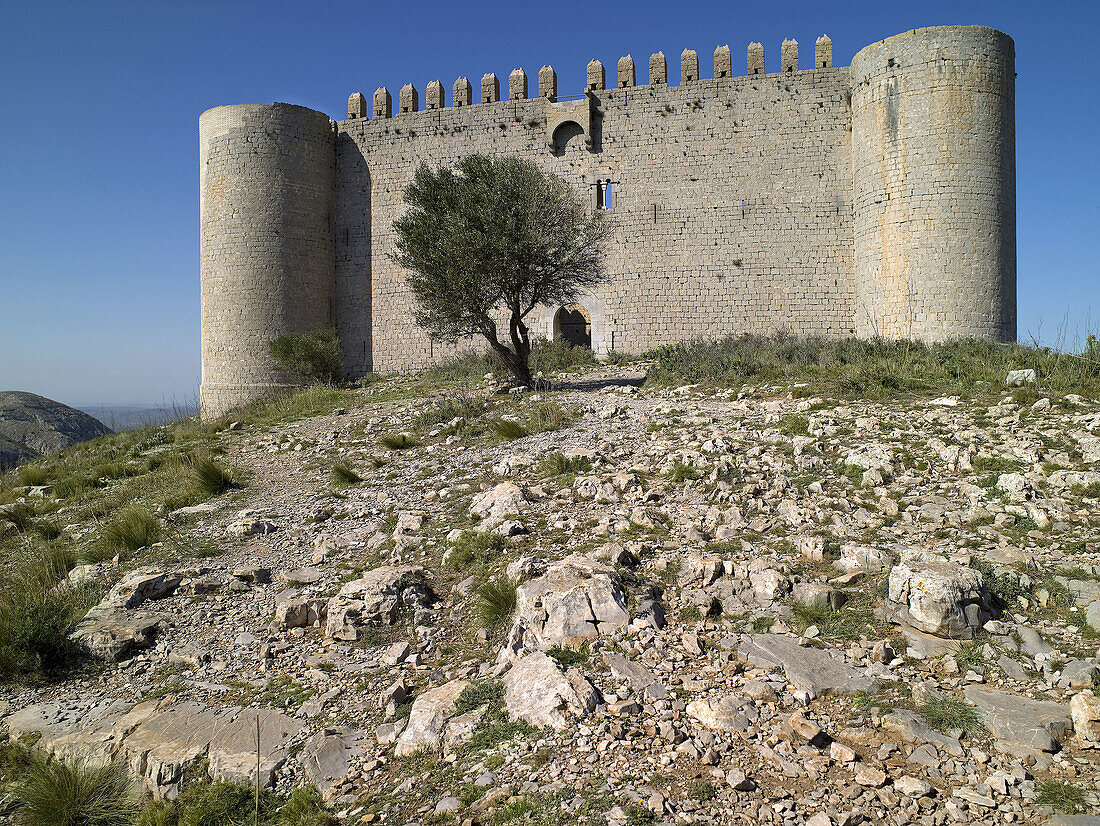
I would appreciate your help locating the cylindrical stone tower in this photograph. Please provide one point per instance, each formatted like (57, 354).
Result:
(934, 159)
(267, 195)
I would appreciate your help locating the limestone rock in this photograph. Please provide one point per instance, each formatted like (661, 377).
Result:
(536, 690)
(725, 714)
(941, 598)
(506, 499)
(430, 713)
(1021, 724)
(576, 598)
(1085, 711)
(810, 670)
(376, 598)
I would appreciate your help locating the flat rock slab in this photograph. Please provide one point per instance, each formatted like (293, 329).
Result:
(115, 633)
(641, 679)
(536, 690)
(812, 670)
(1020, 723)
(159, 740)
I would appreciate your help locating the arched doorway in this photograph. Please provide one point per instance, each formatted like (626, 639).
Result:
(573, 325)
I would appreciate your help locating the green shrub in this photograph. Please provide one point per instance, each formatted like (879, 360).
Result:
(449, 409)
(399, 441)
(465, 369)
(846, 623)
(546, 416)
(496, 600)
(567, 657)
(1061, 795)
(344, 475)
(32, 475)
(210, 476)
(793, 425)
(558, 464)
(861, 368)
(223, 804)
(557, 355)
(950, 714)
(37, 615)
(475, 548)
(64, 793)
(681, 472)
(314, 357)
(132, 528)
(20, 515)
(508, 429)
(701, 790)
(305, 807)
(478, 694)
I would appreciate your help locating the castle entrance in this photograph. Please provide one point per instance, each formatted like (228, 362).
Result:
(573, 325)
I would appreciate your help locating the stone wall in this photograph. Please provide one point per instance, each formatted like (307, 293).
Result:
(267, 193)
(935, 186)
(730, 199)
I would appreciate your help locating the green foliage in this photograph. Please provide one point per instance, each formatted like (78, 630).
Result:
(874, 368)
(37, 615)
(478, 694)
(313, 357)
(344, 475)
(316, 400)
(691, 613)
(1003, 586)
(305, 807)
(210, 476)
(32, 475)
(849, 622)
(969, 655)
(465, 369)
(495, 234)
(794, 425)
(64, 793)
(399, 441)
(701, 790)
(508, 429)
(234, 804)
(133, 527)
(496, 600)
(558, 464)
(951, 714)
(1061, 795)
(475, 548)
(449, 409)
(681, 472)
(567, 657)
(546, 416)
(557, 356)
(994, 464)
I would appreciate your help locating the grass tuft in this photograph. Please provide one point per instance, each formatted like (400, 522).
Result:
(558, 464)
(32, 475)
(210, 476)
(496, 600)
(344, 475)
(399, 441)
(66, 793)
(946, 714)
(508, 429)
(132, 528)
(1061, 795)
(475, 548)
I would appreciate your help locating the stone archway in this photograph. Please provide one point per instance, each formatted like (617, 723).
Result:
(573, 325)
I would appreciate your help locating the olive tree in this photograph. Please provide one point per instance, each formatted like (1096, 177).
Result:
(489, 240)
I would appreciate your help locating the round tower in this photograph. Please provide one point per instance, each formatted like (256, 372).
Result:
(267, 195)
(934, 174)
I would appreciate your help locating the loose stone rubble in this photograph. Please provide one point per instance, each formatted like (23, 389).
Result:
(731, 607)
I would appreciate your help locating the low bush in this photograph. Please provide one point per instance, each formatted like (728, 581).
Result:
(556, 356)
(344, 475)
(132, 528)
(475, 548)
(1061, 795)
(873, 368)
(447, 410)
(496, 600)
(210, 476)
(950, 714)
(32, 475)
(37, 614)
(64, 793)
(558, 464)
(314, 357)
(508, 429)
(399, 441)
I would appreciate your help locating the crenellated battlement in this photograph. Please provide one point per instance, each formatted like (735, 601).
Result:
(595, 78)
(832, 201)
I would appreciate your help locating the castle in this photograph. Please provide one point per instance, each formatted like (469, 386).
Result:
(877, 199)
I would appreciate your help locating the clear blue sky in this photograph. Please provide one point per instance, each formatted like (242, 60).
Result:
(99, 266)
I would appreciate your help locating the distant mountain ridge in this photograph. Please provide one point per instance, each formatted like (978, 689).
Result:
(32, 426)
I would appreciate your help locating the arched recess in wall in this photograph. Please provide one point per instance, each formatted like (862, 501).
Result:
(568, 133)
(573, 325)
(547, 322)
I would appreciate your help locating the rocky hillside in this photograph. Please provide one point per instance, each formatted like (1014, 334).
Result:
(611, 603)
(32, 426)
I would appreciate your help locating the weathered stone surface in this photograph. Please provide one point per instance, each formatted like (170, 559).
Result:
(536, 690)
(576, 598)
(811, 670)
(116, 634)
(376, 598)
(727, 714)
(941, 598)
(911, 727)
(430, 713)
(506, 499)
(1084, 708)
(641, 679)
(1020, 724)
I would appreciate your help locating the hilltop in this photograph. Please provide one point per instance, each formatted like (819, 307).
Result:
(625, 599)
(32, 426)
